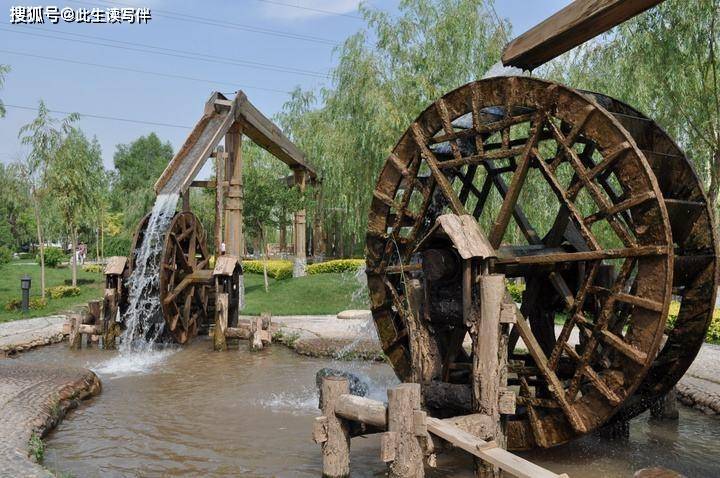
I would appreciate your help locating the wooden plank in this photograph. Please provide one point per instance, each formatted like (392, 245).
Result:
(570, 27)
(487, 451)
(115, 265)
(268, 136)
(555, 257)
(466, 236)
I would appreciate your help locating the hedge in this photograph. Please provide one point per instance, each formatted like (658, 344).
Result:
(36, 303)
(276, 269)
(713, 333)
(60, 291)
(53, 257)
(338, 265)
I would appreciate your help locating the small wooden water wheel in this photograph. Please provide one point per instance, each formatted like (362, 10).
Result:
(569, 200)
(185, 280)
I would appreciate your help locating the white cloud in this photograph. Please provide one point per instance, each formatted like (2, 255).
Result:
(305, 9)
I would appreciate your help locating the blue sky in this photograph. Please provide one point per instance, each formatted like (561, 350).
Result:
(297, 49)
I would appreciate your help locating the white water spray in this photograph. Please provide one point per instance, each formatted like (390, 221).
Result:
(144, 302)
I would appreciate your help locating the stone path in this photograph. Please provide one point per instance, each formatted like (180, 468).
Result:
(20, 335)
(33, 399)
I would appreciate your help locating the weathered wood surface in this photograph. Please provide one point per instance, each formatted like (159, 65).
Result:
(221, 321)
(465, 234)
(403, 402)
(488, 451)
(570, 27)
(361, 409)
(115, 265)
(336, 447)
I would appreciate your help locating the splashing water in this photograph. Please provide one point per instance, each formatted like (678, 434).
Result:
(142, 318)
(499, 70)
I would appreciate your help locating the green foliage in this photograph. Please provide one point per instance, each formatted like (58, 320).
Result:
(286, 338)
(36, 447)
(54, 257)
(713, 333)
(137, 167)
(5, 255)
(95, 268)
(278, 270)
(117, 246)
(336, 266)
(35, 303)
(61, 291)
(515, 290)
(4, 69)
(16, 222)
(385, 76)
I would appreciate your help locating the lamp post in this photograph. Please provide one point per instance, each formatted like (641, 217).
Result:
(25, 283)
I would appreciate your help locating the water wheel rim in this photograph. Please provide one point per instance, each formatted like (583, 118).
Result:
(182, 310)
(686, 336)
(413, 151)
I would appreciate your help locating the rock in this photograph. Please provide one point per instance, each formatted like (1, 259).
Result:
(357, 386)
(657, 472)
(355, 314)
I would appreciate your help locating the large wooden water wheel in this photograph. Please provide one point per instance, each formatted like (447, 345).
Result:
(568, 198)
(185, 278)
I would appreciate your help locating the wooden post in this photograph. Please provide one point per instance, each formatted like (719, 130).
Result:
(75, 339)
(234, 238)
(220, 158)
(221, 322)
(299, 268)
(336, 447)
(186, 200)
(486, 365)
(110, 328)
(402, 435)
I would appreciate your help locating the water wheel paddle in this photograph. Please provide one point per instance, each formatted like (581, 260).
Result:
(571, 204)
(185, 299)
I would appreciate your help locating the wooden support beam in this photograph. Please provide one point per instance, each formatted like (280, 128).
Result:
(221, 321)
(361, 409)
(336, 447)
(570, 27)
(403, 402)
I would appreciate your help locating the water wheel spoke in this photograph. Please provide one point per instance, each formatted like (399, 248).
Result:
(595, 379)
(518, 180)
(555, 387)
(432, 162)
(180, 258)
(563, 257)
(535, 424)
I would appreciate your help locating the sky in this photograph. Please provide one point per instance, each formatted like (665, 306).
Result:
(162, 72)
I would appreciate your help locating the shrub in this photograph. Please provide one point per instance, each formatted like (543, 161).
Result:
(515, 290)
(36, 303)
(23, 256)
(278, 270)
(61, 291)
(53, 257)
(713, 333)
(335, 266)
(6, 255)
(94, 268)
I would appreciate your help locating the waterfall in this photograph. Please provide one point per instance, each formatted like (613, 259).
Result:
(143, 310)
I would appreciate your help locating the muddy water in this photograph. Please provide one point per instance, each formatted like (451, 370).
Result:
(193, 412)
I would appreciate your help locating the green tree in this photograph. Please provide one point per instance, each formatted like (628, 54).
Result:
(75, 177)
(137, 167)
(267, 198)
(44, 135)
(385, 76)
(665, 63)
(4, 70)
(16, 223)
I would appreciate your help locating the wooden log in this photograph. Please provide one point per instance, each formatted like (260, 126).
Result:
(568, 28)
(336, 448)
(486, 364)
(75, 339)
(255, 338)
(221, 321)
(403, 401)
(94, 310)
(361, 409)
(427, 361)
(220, 158)
(266, 320)
(111, 329)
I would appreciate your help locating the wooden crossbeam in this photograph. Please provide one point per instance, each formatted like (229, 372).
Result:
(570, 27)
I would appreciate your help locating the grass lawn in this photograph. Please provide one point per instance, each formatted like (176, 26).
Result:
(312, 295)
(11, 273)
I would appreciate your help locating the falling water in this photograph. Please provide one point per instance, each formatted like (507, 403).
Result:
(144, 304)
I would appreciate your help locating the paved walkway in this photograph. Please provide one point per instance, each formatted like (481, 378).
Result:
(20, 335)
(33, 399)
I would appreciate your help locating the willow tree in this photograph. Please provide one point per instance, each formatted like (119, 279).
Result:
(386, 75)
(665, 63)
(75, 177)
(4, 70)
(44, 135)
